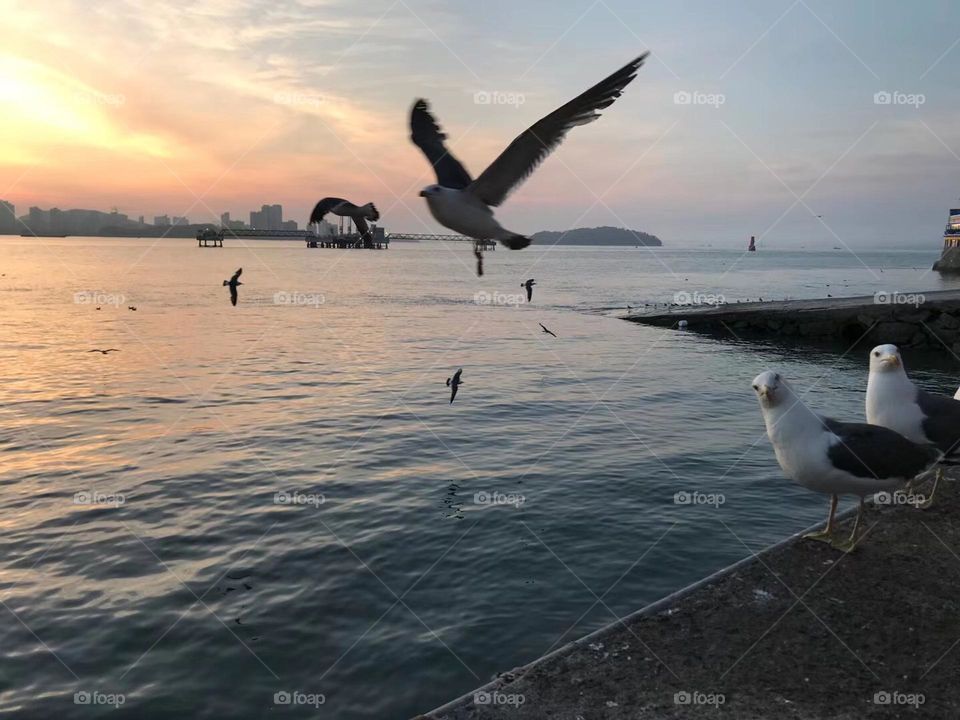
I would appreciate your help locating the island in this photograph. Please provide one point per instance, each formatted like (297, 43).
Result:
(596, 236)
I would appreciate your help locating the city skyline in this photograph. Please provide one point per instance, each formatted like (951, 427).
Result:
(859, 131)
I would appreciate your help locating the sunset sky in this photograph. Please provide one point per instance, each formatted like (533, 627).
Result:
(201, 107)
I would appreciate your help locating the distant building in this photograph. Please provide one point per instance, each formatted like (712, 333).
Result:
(257, 220)
(8, 219)
(140, 220)
(177, 220)
(326, 228)
(162, 221)
(274, 216)
(289, 225)
(225, 219)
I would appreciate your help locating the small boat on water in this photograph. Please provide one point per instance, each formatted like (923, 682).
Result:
(752, 247)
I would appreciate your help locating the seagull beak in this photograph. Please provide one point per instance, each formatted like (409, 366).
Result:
(890, 360)
(765, 392)
(423, 193)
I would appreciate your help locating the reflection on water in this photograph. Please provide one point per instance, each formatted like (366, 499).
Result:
(144, 551)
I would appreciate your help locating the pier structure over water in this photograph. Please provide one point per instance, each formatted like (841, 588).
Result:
(910, 319)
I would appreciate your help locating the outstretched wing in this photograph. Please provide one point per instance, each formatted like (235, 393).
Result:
(325, 206)
(233, 295)
(236, 275)
(453, 391)
(532, 146)
(456, 376)
(427, 136)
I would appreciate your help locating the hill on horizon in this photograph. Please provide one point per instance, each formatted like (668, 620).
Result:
(596, 236)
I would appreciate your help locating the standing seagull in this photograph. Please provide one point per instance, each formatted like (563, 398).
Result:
(895, 402)
(834, 457)
(548, 332)
(529, 286)
(344, 208)
(232, 284)
(454, 383)
(463, 204)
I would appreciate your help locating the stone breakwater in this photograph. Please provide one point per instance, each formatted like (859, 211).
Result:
(922, 320)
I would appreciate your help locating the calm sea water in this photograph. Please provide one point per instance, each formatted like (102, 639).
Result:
(144, 551)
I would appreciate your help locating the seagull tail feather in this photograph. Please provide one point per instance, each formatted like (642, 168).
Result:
(514, 241)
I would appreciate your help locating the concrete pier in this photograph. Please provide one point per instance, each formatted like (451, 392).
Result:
(930, 319)
(798, 630)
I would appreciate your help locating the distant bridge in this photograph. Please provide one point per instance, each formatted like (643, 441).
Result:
(211, 236)
(419, 237)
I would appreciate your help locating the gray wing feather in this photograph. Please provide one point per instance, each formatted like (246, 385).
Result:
(427, 136)
(942, 422)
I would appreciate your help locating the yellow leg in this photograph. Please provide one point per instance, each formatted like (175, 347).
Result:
(826, 535)
(933, 491)
(850, 544)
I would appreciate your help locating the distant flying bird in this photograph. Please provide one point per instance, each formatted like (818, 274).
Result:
(108, 350)
(463, 204)
(548, 332)
(98, 307)
(454, 383)
(529, 286)
(344, 208)
(131, 307)
(232, 284)
(479, 254)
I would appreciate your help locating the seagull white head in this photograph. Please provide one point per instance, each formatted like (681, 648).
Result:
(885, 358)
(771, 389)
(431, 191)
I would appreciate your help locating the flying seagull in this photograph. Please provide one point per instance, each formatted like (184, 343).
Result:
(454, 383)
(131, 307)
(232, 284)
(529, 286)
(344, 208)
(895, 402)
(108, 350)
(834, 457)
(463, 204)
(548, 332)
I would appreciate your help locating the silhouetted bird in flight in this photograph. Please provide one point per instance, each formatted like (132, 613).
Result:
(108, 350)
(232, 284)
(344, 208)
(479, 255)
(548, 332)
(454, 383)
(463, 204)
(131, 307)
(529, 286)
